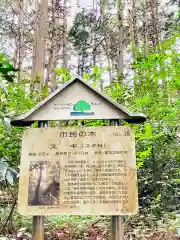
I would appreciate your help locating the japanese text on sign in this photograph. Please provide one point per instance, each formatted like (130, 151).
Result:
(72, 171)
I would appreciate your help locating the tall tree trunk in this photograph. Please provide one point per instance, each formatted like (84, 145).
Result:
(65, 36)
(15, 57)
(94, 34)
(133, 34)
(36, 22)
(20, 38)
(83, 56)
(39, 43)
(18, 54)
(79, 65)
(109, 66)
(154, 22)
(82, 63)
(106, 40)
(120, 45)
(101, 79)
(133, 26)
(51, 67)
(51, 73)
(145, 24)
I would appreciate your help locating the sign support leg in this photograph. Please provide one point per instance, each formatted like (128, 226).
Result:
(38, 227)
(38, 221)
(117, 228)
(116, 221)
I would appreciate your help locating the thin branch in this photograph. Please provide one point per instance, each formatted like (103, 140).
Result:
(94, 49)
(10, 215)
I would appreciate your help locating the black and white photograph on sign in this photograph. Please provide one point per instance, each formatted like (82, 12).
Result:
(44, 183)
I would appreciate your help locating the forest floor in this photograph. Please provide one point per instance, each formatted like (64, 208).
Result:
(13, 226)
(99, 233)
(92, 230)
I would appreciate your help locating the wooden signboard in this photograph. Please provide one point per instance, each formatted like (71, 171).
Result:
(78, 171)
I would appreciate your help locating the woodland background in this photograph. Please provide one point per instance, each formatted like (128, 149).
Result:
(128, 49)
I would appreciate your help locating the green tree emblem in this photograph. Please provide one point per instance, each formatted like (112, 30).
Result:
(81, 106)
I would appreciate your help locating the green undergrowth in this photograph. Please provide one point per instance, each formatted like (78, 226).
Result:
(77, 221)
(51, 222)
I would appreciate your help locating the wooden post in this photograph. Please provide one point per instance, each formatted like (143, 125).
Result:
(117, 228)
(38, 227)
(38, 221)
(116, 221)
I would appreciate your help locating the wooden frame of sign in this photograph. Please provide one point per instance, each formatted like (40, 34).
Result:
(77, 170)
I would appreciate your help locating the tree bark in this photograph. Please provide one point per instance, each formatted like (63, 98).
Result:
(120, 45)
(15, 58)
(154, 22)
(52, 61)
(133, 26)
(106, 40)
(65, 36)
(20, 38)
(84, 44)
(39, 43)
(18, 54)
(94, 35)
(101, 79)
(133, 34)
(145, 23)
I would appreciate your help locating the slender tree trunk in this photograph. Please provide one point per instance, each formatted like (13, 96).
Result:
(53, 71)
(51, 41)
(120, 45)
(145, 24)
(65, 36)
(134, 25)
(84, 44)
(101, 79)
(109, 67)
(15, 58)
(94, 35)
(51, 67)
(39, 46)
(79, 65)
(106, 40)
(133, 34)
(20, 38)
(157, 20)
(154, 22)
(18, 54)
(82, 63)
(36, 17)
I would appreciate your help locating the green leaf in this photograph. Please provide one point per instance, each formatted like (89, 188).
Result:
(140, 163)
(86, 75)
(148, 130)
(145, 153)
(95, 70)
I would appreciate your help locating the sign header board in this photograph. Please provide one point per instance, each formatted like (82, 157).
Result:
(78, 171)
(76, 100)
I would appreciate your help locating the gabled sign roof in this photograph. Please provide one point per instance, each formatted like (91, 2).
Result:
(77, 100)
